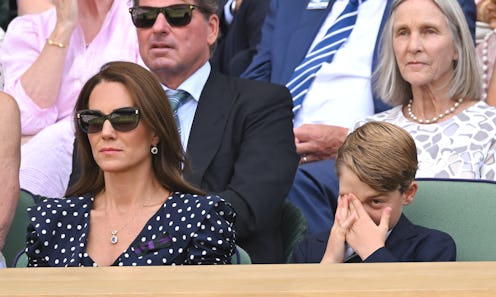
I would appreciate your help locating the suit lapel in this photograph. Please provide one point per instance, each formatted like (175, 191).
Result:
(305, 31)
(208, 126)
(398, 239)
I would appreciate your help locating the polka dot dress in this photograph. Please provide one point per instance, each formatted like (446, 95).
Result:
(187, 229)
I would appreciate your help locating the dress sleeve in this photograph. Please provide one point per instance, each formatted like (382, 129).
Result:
(34, 247)
(214, 241)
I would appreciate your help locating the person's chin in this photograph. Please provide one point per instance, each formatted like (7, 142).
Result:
(111, 165)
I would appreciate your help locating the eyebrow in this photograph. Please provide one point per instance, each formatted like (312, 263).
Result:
(426, 24)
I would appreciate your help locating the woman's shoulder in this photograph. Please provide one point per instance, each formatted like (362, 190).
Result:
(391, 115)
(480, 112)
(46, 202)
(482, 106)
(56, 209)
(193, 199)
(191, 209)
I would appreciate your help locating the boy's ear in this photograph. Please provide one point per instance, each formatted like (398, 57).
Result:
(410, 192)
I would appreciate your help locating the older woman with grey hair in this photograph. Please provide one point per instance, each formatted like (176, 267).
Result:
(428, 70)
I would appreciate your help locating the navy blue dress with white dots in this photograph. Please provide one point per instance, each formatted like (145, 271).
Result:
(187, 229)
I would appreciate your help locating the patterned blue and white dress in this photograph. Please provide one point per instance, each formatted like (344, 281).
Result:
(187, 229)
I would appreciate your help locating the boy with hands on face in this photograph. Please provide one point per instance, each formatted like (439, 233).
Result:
(376, 166)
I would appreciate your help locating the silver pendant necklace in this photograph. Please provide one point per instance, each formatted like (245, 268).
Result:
(113, 233)
(113, 237)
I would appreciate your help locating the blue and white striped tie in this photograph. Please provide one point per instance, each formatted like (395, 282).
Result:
(176, 99)
(324, 51)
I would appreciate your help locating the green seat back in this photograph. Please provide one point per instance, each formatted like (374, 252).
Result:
(240, 256)
(465, 209)
(16, 238)
(293, 228)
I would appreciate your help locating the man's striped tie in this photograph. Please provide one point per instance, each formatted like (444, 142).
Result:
(176, 99)
(324, 51)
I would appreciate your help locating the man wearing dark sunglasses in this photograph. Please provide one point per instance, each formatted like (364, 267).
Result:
(237, 133)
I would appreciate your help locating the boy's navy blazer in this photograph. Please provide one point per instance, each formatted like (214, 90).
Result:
(289, 31)
(406, 243)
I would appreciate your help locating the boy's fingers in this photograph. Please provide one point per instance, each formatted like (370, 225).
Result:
(343, 206)
(349, 222)
(358, 207)
(386, 215)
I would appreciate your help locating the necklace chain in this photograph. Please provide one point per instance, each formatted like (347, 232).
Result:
(434, 119)
(113, 238)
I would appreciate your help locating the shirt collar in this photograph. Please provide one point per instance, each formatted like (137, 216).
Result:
(349, 252)
(195, 83)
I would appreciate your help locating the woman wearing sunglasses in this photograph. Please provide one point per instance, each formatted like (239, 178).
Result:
(131, 205)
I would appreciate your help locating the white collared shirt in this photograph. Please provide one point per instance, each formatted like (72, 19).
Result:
(186, 112)
(341, 93)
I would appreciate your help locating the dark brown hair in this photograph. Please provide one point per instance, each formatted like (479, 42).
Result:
(156, 113)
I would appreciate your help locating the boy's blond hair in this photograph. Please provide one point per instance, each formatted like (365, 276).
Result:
(382, 155)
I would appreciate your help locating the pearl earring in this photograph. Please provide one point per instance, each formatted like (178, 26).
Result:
(154, 150)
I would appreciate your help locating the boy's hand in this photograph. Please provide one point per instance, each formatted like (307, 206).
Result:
(364, 236)
(335, 249)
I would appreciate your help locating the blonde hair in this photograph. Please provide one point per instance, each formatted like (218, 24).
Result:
(381, 154)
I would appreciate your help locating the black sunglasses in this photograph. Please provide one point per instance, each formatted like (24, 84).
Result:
(122, 119)
(177, 15)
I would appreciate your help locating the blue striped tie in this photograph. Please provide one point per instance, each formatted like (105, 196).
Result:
(324, 51)
(176, 99)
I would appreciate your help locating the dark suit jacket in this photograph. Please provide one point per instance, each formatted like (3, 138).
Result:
(406, 243)
(241, 147)
(238, 41)
(289, 31)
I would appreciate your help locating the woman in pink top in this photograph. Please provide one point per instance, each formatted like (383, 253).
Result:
(46, 60)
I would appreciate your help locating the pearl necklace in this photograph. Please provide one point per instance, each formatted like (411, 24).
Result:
(434, 119)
